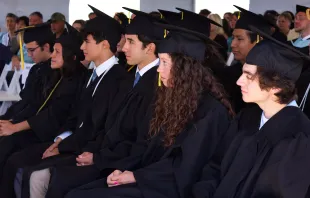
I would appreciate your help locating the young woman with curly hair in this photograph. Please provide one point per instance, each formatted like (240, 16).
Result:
(189, 119)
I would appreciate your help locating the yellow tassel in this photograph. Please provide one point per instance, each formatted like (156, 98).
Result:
(308, 13)
(21, 51)
(161, 15)
(49, 96)
(129, 18)
(182, 15)
(159, 81)
(239, 14)
(130, 68)
(165, 33)
(258, 39)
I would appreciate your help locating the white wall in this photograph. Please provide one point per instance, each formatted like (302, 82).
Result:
(220, 7)
(153, 5)
(260, 6)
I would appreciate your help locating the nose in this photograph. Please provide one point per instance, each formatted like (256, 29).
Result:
(240, 81)
(82, 46)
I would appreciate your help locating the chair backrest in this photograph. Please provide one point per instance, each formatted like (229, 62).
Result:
(3, 83)
(14, 87)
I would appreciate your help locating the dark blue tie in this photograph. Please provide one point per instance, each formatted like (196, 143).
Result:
(94, 75)
(136, 79)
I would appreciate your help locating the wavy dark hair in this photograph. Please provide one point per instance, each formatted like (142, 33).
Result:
(175, 107)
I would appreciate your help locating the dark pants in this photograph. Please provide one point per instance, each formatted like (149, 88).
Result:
(26, 157)
(64, 179)
(99, 189)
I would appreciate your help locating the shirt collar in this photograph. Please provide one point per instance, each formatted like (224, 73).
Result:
(105, 65)
(148, 67)
(305, 38)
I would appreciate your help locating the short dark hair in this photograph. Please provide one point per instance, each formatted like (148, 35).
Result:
(226, 27)
(252, 36)
(11, 15)
(269, 78)
(39, 14)
(24, 19)
(81, 22)
(99, 37)
(271, 12)
(146, 41)
(91, 14)
(155, 14)
(205, 12)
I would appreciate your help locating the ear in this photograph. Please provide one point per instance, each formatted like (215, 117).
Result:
(106, 44)
(275, 90)
(46, 47)
(151, 48)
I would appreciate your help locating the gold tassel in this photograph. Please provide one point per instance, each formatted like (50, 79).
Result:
(159, 81)
(182, 15)
(21, 51)
(129, 17)
(49, 96)
(165, 33)
(161, 15)
(258, 39)
(239, 14)
(308, 13)
(130, 68)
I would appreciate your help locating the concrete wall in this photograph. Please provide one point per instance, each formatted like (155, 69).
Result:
(151, 5)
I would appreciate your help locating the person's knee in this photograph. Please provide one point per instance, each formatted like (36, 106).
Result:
(40, 178)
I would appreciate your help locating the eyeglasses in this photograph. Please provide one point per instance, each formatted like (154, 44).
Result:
(31, 50)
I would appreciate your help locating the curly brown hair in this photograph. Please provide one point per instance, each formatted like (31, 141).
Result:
(175, 107)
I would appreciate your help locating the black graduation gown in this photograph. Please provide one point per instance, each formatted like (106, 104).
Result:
(270, 162)
(302, 85)
(170, 172)
(113, 143)
(46, 124)
(85, 121)
(31, 95)
(91, 119)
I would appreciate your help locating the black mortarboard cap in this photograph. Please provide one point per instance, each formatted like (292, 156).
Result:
(196, 22)
(104, 25)
(40, 33)
(273, 54)
(142, 24)
(72, 41)
(171, 17)
(248, 18)
(301, 8)
(185, 41)
(124, 20)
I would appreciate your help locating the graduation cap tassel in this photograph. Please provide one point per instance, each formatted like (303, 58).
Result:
(21, 50)
(182, 15)
(129, 17)
(161, 15)
(258, 39)
(239, 13)
(165, 33)
(308, 13)
(159, 81)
